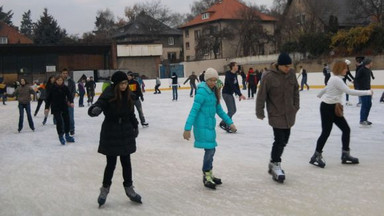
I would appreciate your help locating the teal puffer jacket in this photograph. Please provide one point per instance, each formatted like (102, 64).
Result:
(202, 117)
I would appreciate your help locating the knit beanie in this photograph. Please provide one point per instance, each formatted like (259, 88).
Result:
(284, 59)
(211, 73)
(367, 61)
(118, 76)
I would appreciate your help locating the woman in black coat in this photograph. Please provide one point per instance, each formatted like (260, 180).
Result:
(118, 133)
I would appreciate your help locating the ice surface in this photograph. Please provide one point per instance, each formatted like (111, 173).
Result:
(38, 176)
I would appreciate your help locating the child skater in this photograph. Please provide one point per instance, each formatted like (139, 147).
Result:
(118, 133)
(330, 96)
(59, 98)
(202, 118)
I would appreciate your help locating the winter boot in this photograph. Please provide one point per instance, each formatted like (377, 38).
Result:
(133, 196)
(214, 179)
(69, 138)
(208, 181)
(144, 124)
(317, 160)
(276, 172)
(346, 158)
(103, 195)
(61, 138)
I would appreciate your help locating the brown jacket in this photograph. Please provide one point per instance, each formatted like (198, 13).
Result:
(281, 93)
(23, 94)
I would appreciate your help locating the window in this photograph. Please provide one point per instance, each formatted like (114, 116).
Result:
(171, 41)
(205, 16)
(187, 45)
(171, 57)
(197, 34)
(188, 58)
(3, 40)
(186, 32)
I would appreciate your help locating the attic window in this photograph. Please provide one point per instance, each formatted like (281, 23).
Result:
(205, 16)
(3, 40)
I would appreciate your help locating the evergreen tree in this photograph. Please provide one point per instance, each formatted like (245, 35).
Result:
(47, 31)
(6, 16)
(26, 27)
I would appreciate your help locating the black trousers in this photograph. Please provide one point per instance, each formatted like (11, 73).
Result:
(62, 122)
(328, 117)
(281, 140)
(110, 168)
(39, 102)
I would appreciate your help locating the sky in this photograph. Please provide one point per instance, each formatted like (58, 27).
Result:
(78, 16)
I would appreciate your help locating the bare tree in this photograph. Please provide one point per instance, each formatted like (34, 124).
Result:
(368, 9)
(211, 40)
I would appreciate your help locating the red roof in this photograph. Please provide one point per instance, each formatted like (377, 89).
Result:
(225, 10)
(14, 36)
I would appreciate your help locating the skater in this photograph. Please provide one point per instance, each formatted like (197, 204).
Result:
(201, 77)
(327, 74)
(192, 82)
(50, 83)
(90, 86)
(175, 85)
(43, 96)
(280, 91)
(158, 83)
(252, 83)
(348, 76)
(72, 89)
(304, 78)
(382, 98)
(118, 133)
(23, 95)
(244, 79)
(359, 64)
(81, 88)
(231, 85)
(330, 96)
(134, 86)
(363, 81)
(59, 99)
(3, 92)
(202, 118)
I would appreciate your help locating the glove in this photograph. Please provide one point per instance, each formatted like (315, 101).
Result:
(96, 111)
(142, 99)
(233, 128)
(187, 135)
(136, 132)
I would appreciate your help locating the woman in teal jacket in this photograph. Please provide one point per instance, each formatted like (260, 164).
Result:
(202, 118)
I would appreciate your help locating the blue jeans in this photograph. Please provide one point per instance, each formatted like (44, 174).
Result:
(366, 104)
(27, 108)
(71, 111)
(174, 93)
(208, 159)
(193, 88)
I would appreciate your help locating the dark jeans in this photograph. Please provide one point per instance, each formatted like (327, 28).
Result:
(208, 159)
(71, 113)
(326, 78)
(251, 90)
(174, 93)
(139, 109)
(81, 99)
(39, 102)
(110, 168)
(244, 85)
(62, 122)
(193, 87)
(304, 82)
(3, 97)
(90, 95)
(27, 108)
(231, 106)
(328, 117)
(281, 140)
(366, 104)
(382, 98)
(157, 90)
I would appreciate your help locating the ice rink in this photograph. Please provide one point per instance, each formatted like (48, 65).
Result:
(38, 176)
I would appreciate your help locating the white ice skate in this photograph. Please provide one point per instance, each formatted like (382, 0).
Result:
(277, 173)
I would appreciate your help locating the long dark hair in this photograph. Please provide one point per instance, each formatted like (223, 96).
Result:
(217, 94)
(121, 97)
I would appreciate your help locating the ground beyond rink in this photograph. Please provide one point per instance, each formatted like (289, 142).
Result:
(38, 176)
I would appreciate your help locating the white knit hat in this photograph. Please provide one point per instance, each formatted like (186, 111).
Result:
(211, 73)
(347, 62)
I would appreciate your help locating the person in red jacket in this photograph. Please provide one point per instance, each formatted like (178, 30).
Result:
(252, 82)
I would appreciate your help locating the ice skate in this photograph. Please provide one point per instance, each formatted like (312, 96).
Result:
(45, 121)
(346, 158)
(348, 103)
(317, 160)
(276, 172)
(68, 138)
(216, 180)
(208, 181)
(365, 124)
(103, 195)
(133, 196)
(61, 139)
(145, 124)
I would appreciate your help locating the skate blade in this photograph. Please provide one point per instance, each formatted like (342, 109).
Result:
(316, 164)
(349, 162)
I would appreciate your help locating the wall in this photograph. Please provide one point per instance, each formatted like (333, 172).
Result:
(148, 66)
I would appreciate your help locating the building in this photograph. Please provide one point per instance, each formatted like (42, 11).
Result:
(10, 35)
(145, 43)
(212, 24)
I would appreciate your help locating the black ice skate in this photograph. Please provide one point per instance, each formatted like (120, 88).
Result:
(133, 196)
(277, 173)
(103, 196)
(145, 124)
(208, 181)
(225, 127)
(317, 160)
(346, 158)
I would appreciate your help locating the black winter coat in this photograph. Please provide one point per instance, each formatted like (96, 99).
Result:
(58, 99)
(119, 129)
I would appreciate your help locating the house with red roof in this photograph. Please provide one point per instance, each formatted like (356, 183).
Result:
(225, 14)
(10, 35)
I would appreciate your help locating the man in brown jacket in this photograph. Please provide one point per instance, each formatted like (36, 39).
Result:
(279, 89)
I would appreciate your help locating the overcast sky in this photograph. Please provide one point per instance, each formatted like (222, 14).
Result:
(78, 16)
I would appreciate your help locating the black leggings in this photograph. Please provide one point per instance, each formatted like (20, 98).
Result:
(110, 168)
(281, 140)
(328, 117)
(62, 119)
